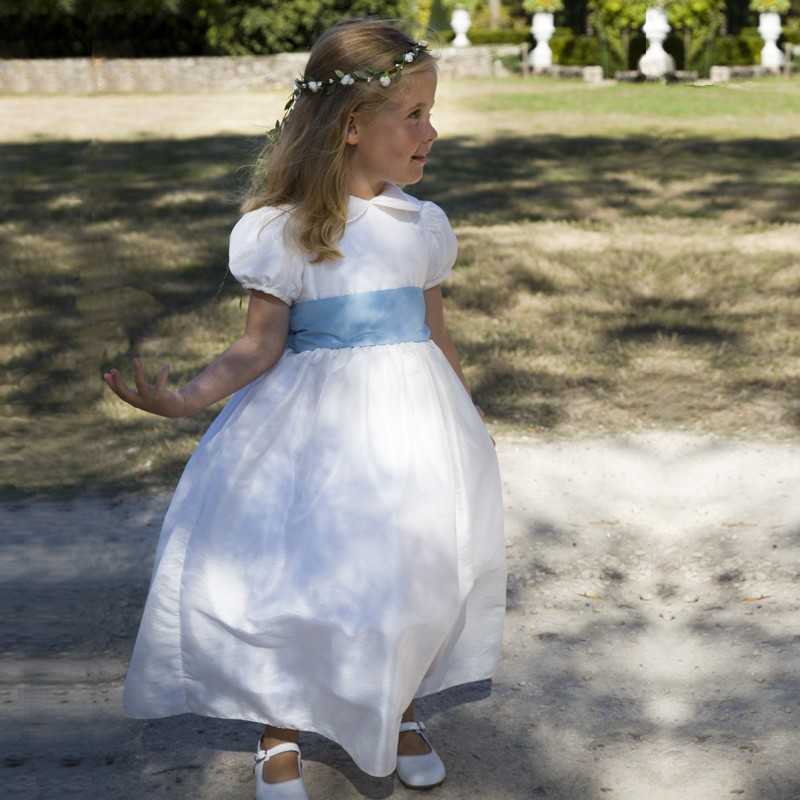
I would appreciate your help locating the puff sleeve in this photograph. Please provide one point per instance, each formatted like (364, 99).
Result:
(258, 257)
(442, 244)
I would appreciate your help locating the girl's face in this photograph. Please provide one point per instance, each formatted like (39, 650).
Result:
(387, 147)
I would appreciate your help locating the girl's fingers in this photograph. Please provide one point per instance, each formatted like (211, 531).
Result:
(128, 395)
(145, 397)
(162, 378)
(138, 376)
(121, 387)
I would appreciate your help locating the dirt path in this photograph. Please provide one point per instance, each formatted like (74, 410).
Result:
(651, 641)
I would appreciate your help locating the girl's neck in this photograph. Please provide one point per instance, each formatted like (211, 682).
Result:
(365, 189)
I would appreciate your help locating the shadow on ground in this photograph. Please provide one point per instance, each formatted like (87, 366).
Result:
(114, 248)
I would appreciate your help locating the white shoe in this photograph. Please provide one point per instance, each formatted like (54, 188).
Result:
(420, 771)
(293, 789)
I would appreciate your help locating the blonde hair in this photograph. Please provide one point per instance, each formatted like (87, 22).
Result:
(307, 166)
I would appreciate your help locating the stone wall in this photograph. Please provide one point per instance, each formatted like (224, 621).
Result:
(205, 73)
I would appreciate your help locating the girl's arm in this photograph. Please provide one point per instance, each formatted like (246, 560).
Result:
(434, 318)
(257, 350)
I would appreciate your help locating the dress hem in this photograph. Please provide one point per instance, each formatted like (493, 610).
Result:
(306, 728)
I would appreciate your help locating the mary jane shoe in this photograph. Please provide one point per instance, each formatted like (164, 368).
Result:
(421, 771)
(293, 789)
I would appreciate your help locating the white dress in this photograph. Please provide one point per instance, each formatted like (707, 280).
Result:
(335, 546)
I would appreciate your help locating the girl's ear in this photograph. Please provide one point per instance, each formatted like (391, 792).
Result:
(352, 130)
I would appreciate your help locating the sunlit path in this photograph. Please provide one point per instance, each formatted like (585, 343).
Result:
(650, 644)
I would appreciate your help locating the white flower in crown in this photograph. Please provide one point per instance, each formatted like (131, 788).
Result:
(385, 80)
(409, 56)
(315, 86)
(347, 79)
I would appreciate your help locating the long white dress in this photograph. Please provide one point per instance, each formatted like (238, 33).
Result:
(335, 546)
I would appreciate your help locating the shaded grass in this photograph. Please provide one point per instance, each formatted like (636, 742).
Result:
(623, 339)
(599, 178)
(604, 283)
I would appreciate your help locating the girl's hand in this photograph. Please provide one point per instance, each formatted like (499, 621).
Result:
(153, 398)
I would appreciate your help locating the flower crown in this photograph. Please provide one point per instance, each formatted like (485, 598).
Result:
(384, 77)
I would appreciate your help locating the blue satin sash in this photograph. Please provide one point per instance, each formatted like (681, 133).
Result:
(354, 320)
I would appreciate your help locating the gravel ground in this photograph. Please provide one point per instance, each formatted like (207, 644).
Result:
(650, 647)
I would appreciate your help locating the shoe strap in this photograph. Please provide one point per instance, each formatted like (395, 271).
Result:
(419, 727)
(267, 754)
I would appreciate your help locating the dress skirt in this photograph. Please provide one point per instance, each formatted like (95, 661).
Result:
(334, 549)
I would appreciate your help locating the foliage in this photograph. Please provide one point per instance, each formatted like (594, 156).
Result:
(765, 6)
(791, 30)
(245, 27)
(53, 28)
(619, 14)
(741, 14)
(36, 8)
(613, 22)
(752, 39)
(533, 6)
(38, 27)
(499, 36)
(507, 19)
(740, 50)
(572, 50)
(423, 12)
(699, 22)
(439, 20)
(111, 28)
(469, 5)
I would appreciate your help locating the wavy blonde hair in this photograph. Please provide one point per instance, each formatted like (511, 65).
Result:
(308, 165)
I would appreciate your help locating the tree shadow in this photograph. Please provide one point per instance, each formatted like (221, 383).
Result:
(109, 243)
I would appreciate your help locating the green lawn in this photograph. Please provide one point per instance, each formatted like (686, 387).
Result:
(629, 258)
(743, 100)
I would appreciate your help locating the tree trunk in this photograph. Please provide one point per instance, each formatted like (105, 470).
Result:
(687, 43)
(494, 13)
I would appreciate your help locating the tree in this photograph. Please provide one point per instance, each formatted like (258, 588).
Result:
(494, 13)
(244, 27)
(613, 22)
(699, 22)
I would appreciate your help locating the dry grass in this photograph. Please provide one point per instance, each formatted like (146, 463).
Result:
(572, 330)
(619, 268)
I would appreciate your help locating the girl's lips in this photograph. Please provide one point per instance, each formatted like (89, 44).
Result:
(423, 159)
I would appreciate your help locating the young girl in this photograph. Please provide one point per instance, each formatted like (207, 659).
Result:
(334, 548)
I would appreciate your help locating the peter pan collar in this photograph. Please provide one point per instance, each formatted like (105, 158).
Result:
(392, 196)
